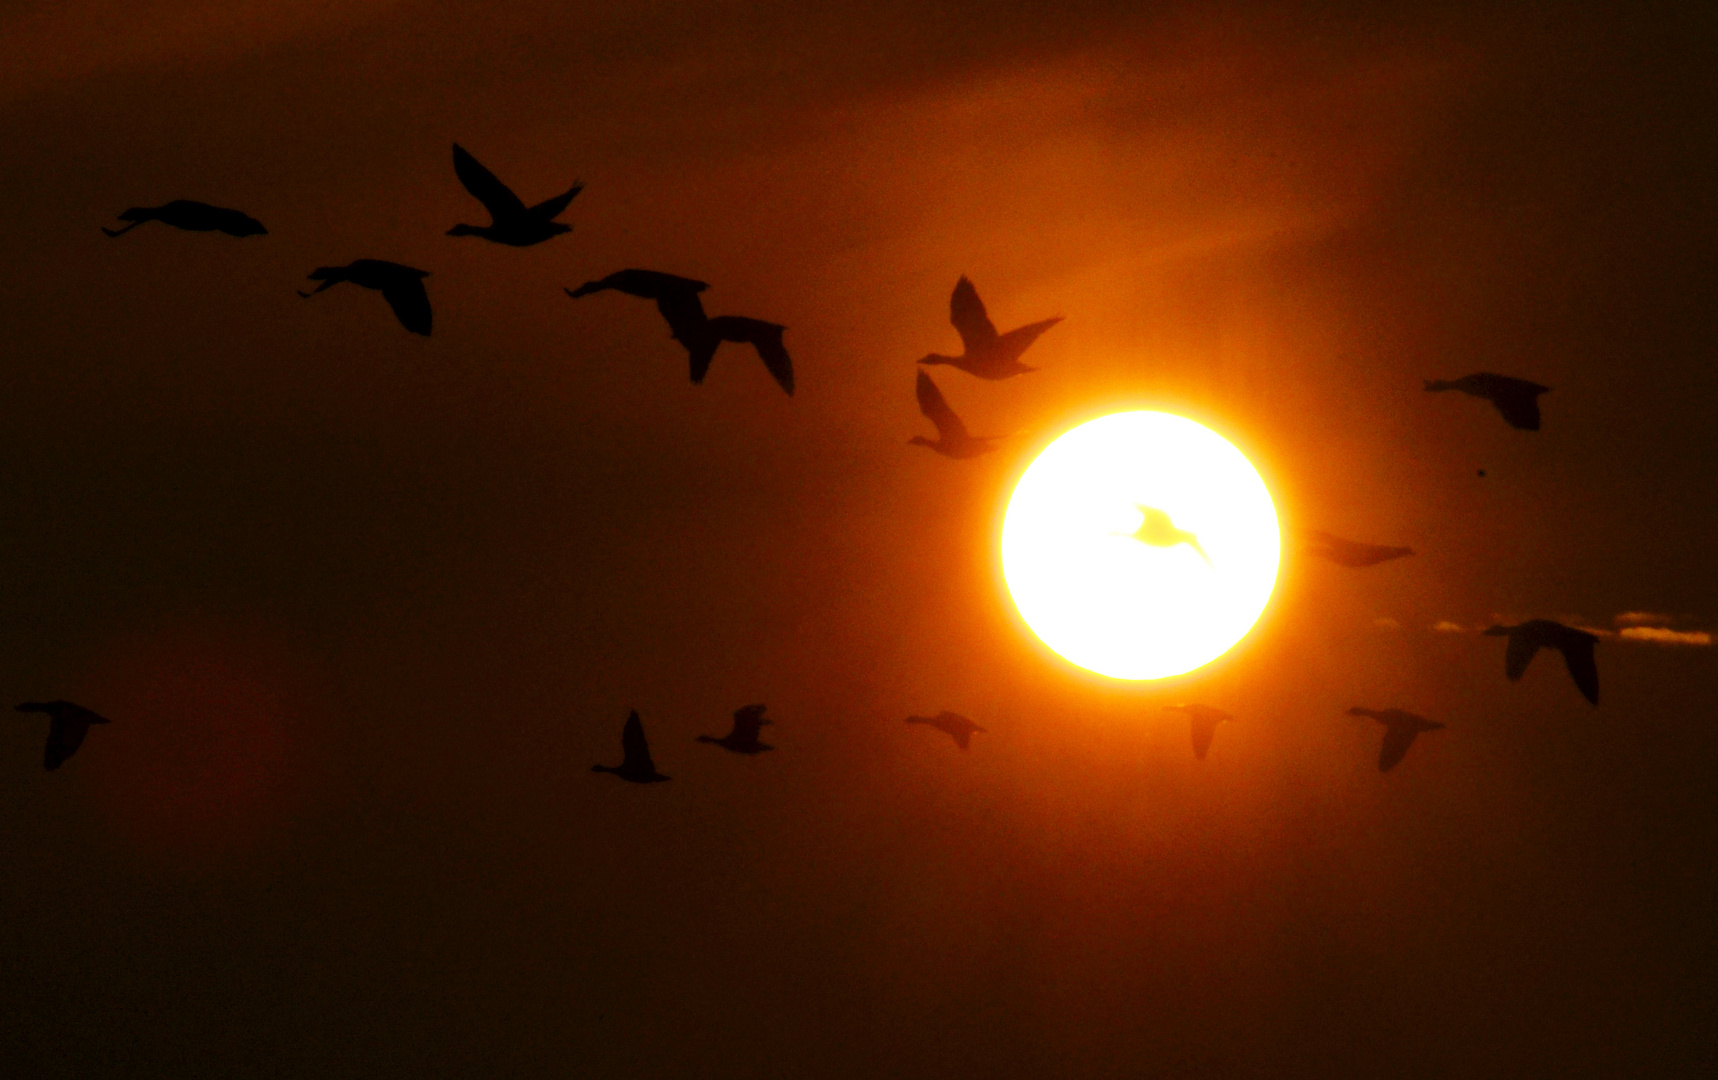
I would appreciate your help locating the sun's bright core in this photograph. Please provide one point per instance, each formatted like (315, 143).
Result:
(1140, 545)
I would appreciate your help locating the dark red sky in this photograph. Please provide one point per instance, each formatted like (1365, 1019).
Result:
(365, 607)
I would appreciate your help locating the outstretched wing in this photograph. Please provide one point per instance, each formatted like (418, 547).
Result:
(1519, 654)
(931, 403)
(1397, 739)
(966, 312)
(633, 746)
(684, 313)
(495, 196)
(550, 209)
(748, 723)
(65, 734)
(1017, 340)
(410, 301)
(1583, 668)
(1204, 730)
(763, 336)
(1520, 408)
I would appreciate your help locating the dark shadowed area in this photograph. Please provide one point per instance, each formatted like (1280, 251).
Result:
(364, 607)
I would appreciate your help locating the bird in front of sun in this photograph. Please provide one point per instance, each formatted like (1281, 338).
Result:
(511, 221)
(67, 726)
(952, 439)
(1204, 724)
(1156, 529)
(952, 724)
(635, 765)
(1401, 728)
(744, 738)
(987, 354)
(1527, 639)
(1516, 399)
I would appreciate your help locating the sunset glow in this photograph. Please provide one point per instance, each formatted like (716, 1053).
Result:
(1118, 605)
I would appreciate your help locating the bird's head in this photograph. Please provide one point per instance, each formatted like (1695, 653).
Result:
(584, 290)
(932, 359)
(920, 440)
(465, 230)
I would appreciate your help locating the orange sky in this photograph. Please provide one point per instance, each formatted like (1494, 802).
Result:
(365, 607)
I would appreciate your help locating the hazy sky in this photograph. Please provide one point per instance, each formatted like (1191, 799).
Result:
(365, 607)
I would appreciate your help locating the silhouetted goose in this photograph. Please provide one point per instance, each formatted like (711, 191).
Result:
(67, 726)
(1349, 552)
(676, 298)
(401, 286)
(1204, 722)
(636, 765)
(512, 222)
(1158, 530)
(988, 355)
(958, 727)
(1400, 731)
(764, 336)
(1576, 646)
(1516, 399)
(191, 216)
(952, 439)
(744, 738)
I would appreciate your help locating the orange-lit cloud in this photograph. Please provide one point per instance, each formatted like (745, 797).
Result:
(1444, 626)
(1642, 618)
(1663, 635)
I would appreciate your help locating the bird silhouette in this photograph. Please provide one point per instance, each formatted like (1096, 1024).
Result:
(511, 221)
(1349, 552)
(987, 354)
(193, 217)
(1516, 399)
(744, 738)
(1156, 529)
(401, 286)
(957, 727)
(1400, 730)
(636, 765)
(1204, 723)
(764, 336)
(952, 439)
(677, 299)
(1527, 639)
(67, 726)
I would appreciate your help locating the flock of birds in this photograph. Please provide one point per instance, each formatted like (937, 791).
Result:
(986, 354)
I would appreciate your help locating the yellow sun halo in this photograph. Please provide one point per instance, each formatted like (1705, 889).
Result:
(1140, 545)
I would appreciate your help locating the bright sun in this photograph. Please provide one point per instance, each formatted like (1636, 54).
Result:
(1140, 545)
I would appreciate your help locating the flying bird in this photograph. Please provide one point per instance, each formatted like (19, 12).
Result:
(1349, 552)
(763, 336)
(677, 299)
(1576, 646)
(1204, 723)
(744, 738)
(956, 726)
(987, 354)
(1158, 530)
(67, 726)
(636, 766)
(952, 439)
(193, 217)
(1400, 730)
(511, 221)
(401, 286)
(1516, 399)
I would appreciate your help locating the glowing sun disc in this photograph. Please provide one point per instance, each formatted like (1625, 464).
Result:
(1140, 545)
